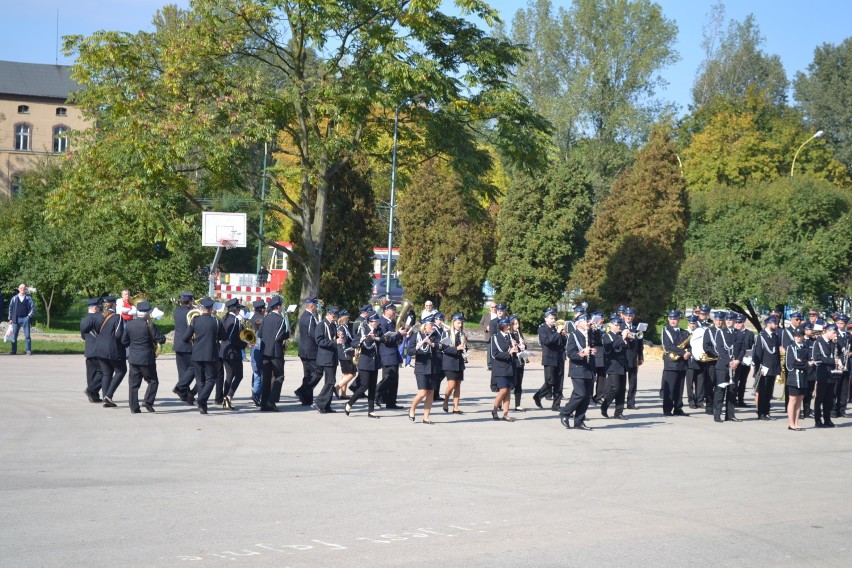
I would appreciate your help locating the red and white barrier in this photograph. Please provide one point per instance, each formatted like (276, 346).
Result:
(243, 289)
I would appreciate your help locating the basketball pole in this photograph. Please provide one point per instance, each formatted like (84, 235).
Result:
(262, 199)
(211, 285)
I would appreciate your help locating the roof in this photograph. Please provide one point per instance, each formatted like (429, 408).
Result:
(36, 80)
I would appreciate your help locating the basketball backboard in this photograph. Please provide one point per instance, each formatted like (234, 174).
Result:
(216, 227)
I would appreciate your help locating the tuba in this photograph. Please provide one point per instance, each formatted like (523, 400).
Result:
(137, 298)
(401, 318)
(191, 315)
(248, 333)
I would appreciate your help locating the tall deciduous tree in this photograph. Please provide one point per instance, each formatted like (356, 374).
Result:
(825, 96)
(770, 244)
(636, 240)
(541, 228)
(189, 99)
(448, 241)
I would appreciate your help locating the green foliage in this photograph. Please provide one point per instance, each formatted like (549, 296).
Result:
(447, 242)
(770, 244)
(735, 63)
(353, 231)
(825, 95)
(636, 240)
(541, 228)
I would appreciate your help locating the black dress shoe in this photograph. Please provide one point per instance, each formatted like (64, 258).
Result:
(564, 420)
(108, 403)
(717, 419)
(693, 406)
(136, 411)
(149, 407)
(89, 395)
(556, 408)
(829, 424)
(582, 426)
(620, 417)
(819, 424)
(438, 399)
(604, 412)
(202, 410)
(393, 407)
(733, 419)
(631, 407)
(330, 410)
(679, 412)
(766, 417)
(537, 400)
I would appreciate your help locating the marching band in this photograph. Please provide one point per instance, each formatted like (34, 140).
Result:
(810, 360)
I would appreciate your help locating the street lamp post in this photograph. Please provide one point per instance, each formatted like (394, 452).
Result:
(818, 134)
(393, 187)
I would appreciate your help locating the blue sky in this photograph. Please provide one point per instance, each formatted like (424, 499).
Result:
(792, 29)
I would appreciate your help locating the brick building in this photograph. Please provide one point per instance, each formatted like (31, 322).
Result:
(34, 115)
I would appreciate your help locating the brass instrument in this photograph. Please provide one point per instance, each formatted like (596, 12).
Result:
(220, 310)
(192, 314)
(682, 345)
(402, 312)
(248, 334)
(561, 323)
(140, 297)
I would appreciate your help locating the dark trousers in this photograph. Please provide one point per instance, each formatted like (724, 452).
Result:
(673, 390)
(632, 385)
(387, 390)
(809, 396)
(709, 372)
(765, 386)
(367, 384)
(741, 377)
(273, 372)
(554, 377)
(841, 393)
(220, 382)
(149, 374)
(519, 380)
(436, 394)
(112, 373)
(600, 384)
(310, 379)
(323, 399)
(616, 386)
(186, 372)
(233, 374)
(724, 395)
(694, 379)
(93, 376)
(824, 401)
(579, 401)
(207, 373)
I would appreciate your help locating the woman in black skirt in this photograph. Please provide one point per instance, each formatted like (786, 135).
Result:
(367, 338)
(521, 359)
(452, 362)
(345, 352)
(796, 360)
(425, 348)
(503, 350)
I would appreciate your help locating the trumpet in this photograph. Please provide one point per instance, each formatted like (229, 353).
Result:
(248, 334)
(682, 345)
(560, 327)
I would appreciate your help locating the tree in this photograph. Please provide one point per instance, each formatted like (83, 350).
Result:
(753, 140)
(353, 232)
(592, 71)
(447, 241)
(636, 240)
(767, 245)
(326, 74)
(825, 96)
(541, 231)
(735, 63)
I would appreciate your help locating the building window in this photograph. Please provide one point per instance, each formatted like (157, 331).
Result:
(23, 109)
(60, 138)
(61, 111)
(22, 136)
(16, 185)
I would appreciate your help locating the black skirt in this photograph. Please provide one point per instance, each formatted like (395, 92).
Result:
(795, 391)
(427, 382)
(504, 382)
(347, 368)
(454, 375)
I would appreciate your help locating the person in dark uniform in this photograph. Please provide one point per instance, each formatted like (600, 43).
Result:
(367, 339)
(634, 354)
(810, 372)
(205, 332)
(453, 364)
(308, 353)
(386, 392)
(89, 332)
(600, 369)
(615, 353)
(825, 358)
(553, 341)
(499, 312)
(360, 323)
(724, 349)
(256, 352)
(443, 332)
(426, 348)
(767, 364)
(694, 377)
(140, 338)
(745, 346)
(504, 352)
(709, 342)
(183, 350)
(231, 351)
(345, 353)
(521, 359)
(274, 332)
(112, 356)
(797, 360)
(675, 358)
(844, 343)
(328, 340)
(582, 373)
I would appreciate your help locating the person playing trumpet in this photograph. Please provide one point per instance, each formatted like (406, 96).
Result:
(553, 340)
(676, 355)
(345, 352)
(328, 341)
(426, 349)
(504, 350)
(231, 351)
(521, 359)
(204, 333)
(582, 372)
(615, 357)
(367, 337)
(140, 337)
(183, 350)
(453, 364)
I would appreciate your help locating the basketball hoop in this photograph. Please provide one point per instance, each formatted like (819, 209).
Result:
(227, 243)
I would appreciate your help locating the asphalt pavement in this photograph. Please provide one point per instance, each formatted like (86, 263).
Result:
(84, 485)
